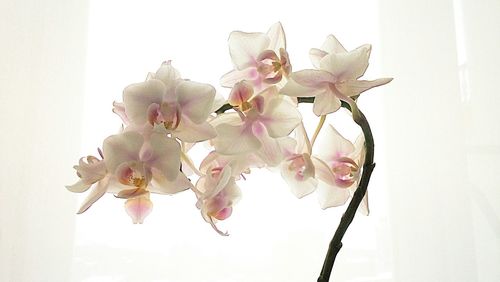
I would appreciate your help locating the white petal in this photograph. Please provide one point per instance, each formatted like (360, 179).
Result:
(244, 48)
(121, 148)
(191, 132)
(313, 78)
(78, 187)
(233, 140)
(326, 103)
(162, 185)
(270, 151)
(331, 196)
(235, 76)
(281, 117)
(95, 194)
(137, 98)
(297, 187)
(277, 37)
(322, 171)
(165, 156)
(316, 55)
(347, 66)
(332, 145)
(167, 74)
(293, 89)
(196, 100)
(332, 45)
(356, 87)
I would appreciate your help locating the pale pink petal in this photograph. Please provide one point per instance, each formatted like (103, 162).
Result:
(131, 193)
(78, 187)
(195, 99)
(241, 92)
(347, 66)
(165, 155)
(331, 196)
(95, 194)
(233, 140)
(280, 117)
(137, 98)
(121, 148)
(244, 47)
(298, 188)
(277, 37)
(161, 185)
(293, 89)
(119, 109)
(332, 145)
(313, 78)
(356, 87)
(326, 103)
(323, 172)
(234, 76)
(138, 208)
(315, 55)
(188, 131)
(332, 45)
(270, 151)
(167, 74)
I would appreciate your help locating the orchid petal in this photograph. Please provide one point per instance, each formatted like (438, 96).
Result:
(281, 117)
(244, 47)
(277, 37)
(165, 155)
(355, 87)
(331, 196)
(121, 148)
(232, 140)
(167, 74)
(347, 66)
(137, 98)
(231, 78)
(161, 185)
(326, 103)
(95, 194)
(191, 132)
(333, 145)
(294, 89)
(313, 78)
(299, 189)
(138, 208)
(315, 55)
(332, 45)
(78, 187)
(323, 172)
(196, 100)
(270, 151)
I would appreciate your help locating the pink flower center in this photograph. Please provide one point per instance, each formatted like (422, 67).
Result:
(273, 67)
(345, 171)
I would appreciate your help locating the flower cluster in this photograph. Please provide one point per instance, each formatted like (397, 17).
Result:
(258, 125)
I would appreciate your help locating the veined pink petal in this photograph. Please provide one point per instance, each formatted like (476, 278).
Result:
(277, 37)
(346, 66)
(165, 155)
(326, 103)
(313, 78)
(121, 148)
(231, 78)
(138, 208)
(234, 140)
(188, 131)
(355, 87)
(280, 117)
(244, 48)
(195, 100)
(332, 145)
(137, 98)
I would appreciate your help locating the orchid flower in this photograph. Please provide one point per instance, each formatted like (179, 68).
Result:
(216, 191)
(335, 77)
(338, 164)
(261, 120)
(259, 58)
(180, 106)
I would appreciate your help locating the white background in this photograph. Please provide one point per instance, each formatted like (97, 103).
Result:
(434, 195)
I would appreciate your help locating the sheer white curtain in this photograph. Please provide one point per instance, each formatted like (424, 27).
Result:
(43, 48)
(434, 194)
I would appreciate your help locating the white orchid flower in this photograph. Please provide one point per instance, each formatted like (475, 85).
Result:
(259, 58)
(335, 77)
(338, 165)
(258, 125)
(181, 106)
(216, 191)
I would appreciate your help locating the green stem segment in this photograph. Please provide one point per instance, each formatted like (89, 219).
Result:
(347, 218)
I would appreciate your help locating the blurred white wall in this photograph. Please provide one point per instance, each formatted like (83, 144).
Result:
(42, 50)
